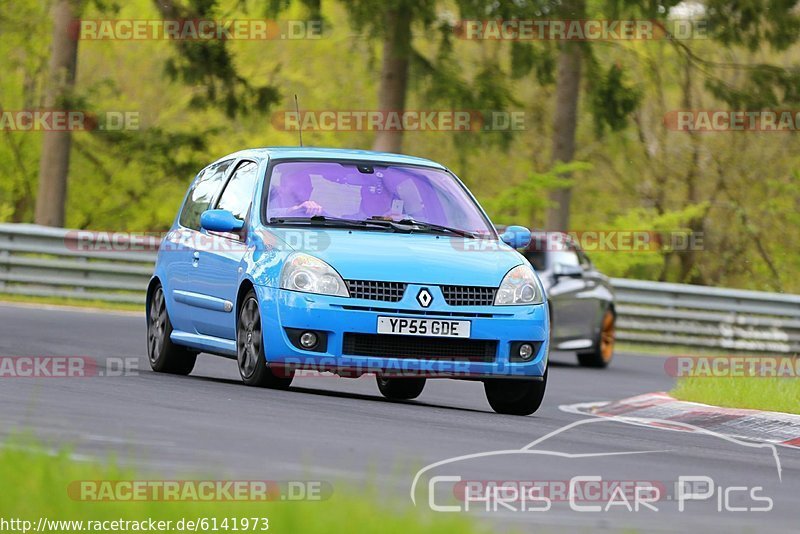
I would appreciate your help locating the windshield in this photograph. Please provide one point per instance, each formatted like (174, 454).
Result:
(362, 192)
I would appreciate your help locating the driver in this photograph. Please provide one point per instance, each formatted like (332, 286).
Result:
(292, 196)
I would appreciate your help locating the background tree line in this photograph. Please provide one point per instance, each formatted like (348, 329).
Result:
(595, 153)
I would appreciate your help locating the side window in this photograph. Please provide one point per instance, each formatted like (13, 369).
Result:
(536, 254)
(566, 256)
(202, 194)
(537, 259)
(238, 194)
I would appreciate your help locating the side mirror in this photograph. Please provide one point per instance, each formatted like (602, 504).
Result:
(516, 236)
(568, 271)
(220, 221)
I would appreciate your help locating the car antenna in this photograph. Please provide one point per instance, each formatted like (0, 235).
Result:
(299, 125)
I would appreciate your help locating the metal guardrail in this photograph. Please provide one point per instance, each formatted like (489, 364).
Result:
(699, 316)
(53, 262)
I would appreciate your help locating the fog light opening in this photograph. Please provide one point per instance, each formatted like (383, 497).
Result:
(308, 340)
(526, 351)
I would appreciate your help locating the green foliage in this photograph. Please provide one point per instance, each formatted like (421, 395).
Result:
(209, 64)
(24, 62)
(276, 7)
(762, 87)
(369, 16)
(740, 190)
(524, 201)
(611, 99)
(752, 23)
(531, 58)
(756, 25)
(669, 230)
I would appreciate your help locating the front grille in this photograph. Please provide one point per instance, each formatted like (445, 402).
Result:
(419, 347)
(432, 313)
(374, 290)
(469, 295)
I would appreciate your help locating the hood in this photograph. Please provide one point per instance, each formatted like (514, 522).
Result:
(415, 258)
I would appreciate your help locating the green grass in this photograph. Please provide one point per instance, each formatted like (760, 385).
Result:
(772, 394)
(35, 484)
(78, 303)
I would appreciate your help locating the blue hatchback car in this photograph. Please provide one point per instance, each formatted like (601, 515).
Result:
(347, 261)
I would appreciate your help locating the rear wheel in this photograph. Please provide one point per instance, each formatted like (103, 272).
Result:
(164, 355)
(603, 351)
(253, 366)
(514, 396)
(400, 388)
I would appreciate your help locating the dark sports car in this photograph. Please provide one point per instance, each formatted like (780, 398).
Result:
(581, 299)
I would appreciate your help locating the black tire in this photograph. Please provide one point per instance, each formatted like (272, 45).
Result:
(400, 388)
(515, 396)
(164, 355)
(253, 366)
(603, 350)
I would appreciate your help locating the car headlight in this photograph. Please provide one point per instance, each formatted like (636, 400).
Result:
(520, 286)
(311, 275)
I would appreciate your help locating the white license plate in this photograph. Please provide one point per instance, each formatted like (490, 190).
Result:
(407, 326)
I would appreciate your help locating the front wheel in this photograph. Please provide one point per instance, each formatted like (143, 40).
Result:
(603, 350)
(515, 396)
(400, 388)
(164, 355)
(253, 366)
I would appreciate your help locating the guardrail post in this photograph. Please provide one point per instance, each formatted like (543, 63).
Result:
(83, 259)
(4, 255)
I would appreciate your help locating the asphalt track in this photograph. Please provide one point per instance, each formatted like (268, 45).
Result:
(343, 432)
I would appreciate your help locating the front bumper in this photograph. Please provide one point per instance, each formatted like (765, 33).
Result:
(339, 316)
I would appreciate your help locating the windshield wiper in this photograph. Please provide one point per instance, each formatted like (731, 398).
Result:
(324, 220)
(405, 223)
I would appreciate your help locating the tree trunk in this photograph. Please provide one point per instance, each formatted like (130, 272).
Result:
(394, 76)
(568, 82)
(54, 161)
(688, 258)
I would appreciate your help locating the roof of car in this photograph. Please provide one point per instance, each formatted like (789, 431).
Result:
(293, 152)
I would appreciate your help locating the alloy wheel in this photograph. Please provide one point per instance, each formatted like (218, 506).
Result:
(156, 325)
(607, 336)
(248, 338)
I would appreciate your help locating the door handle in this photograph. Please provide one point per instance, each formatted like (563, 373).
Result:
(195, 258)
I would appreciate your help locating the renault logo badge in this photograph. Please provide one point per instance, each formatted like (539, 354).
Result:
(424, 297)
